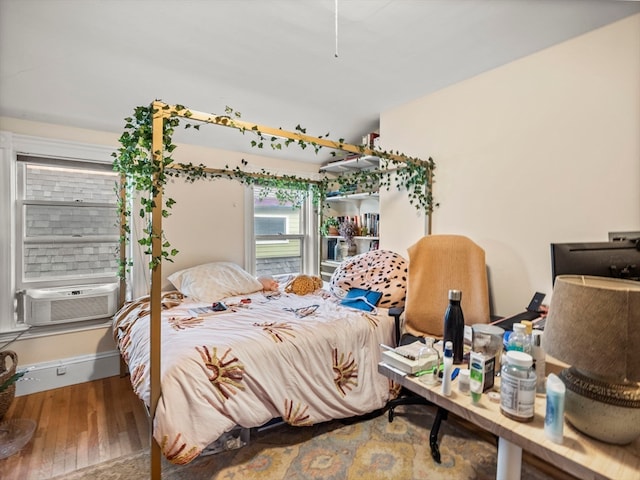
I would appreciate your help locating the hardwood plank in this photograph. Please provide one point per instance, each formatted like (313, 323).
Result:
(50, 418)
(70, 445)
(59, 403)
(93, 445)
(104, 446)
(82, 426)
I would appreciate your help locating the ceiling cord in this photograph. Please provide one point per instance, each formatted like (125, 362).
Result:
(336, 24)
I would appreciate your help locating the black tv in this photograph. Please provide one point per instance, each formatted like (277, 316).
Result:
(617, 259)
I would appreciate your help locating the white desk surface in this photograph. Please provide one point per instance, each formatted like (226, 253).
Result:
(578, 455)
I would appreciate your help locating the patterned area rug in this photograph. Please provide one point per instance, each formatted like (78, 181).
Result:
(340, 450)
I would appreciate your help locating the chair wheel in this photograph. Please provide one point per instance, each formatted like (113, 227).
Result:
(391, 414)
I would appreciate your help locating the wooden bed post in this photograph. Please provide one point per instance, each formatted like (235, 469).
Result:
(430, 211)
(122, 295)
(156, 286)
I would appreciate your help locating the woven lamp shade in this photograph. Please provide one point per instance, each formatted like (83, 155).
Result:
(594, 325)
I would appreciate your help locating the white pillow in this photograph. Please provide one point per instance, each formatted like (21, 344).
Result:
(211, 282)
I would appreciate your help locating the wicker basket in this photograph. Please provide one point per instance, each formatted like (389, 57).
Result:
(6, 396)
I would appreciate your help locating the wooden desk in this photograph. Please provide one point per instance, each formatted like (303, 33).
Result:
(579, 455)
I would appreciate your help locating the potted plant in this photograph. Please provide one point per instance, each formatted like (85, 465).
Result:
(330, 226)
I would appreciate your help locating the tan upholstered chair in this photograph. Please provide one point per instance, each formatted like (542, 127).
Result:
(437, 264)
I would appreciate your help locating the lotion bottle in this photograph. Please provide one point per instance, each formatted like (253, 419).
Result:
(476, 375)
(446, 371)
(554, 415)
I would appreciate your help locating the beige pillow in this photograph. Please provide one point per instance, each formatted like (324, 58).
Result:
(211, 282)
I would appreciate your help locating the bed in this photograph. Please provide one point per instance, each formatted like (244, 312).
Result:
(145, 163)
(272, 354)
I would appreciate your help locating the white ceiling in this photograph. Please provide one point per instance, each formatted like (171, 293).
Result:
(88, 63)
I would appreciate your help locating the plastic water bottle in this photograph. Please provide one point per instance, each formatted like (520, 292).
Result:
(431, 353)
(454, 325)
(446, 370)
(518, 340)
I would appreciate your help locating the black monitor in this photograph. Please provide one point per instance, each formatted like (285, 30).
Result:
(618, 259)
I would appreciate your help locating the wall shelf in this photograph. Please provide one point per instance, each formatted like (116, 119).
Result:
(352, 164)
(352, 196)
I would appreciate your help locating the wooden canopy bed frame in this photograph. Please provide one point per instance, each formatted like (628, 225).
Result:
(161, 113)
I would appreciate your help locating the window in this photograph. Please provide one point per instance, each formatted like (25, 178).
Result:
(67, 223)
(58, 226)
(280, 235)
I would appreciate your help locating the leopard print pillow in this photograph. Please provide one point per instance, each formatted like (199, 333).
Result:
(382, 271)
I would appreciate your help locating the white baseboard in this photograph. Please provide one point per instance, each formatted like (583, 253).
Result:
(68, 371)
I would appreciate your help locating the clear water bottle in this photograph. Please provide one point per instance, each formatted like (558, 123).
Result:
(430, 353)
(518, 339)
(454, 325)
(337, 252)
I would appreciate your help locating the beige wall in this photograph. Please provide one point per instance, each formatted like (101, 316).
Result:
(544, 149)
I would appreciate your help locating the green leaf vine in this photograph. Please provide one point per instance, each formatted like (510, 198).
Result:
(144, 175)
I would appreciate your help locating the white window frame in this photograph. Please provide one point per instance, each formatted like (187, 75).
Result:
(308, 236)
(12, 145)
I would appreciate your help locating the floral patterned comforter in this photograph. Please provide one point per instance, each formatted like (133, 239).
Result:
(305, 359)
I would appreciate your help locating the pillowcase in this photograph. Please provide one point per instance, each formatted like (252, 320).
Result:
(361, 299)
(211, 282)
(382, 271)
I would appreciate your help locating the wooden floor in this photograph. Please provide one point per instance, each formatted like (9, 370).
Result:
(79, 425)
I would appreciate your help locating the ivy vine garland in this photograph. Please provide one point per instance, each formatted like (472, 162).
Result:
(142, 171)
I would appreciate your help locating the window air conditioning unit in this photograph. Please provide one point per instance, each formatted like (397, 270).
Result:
(50, 306)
